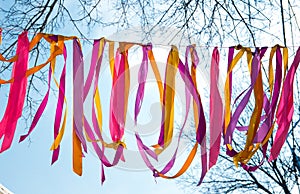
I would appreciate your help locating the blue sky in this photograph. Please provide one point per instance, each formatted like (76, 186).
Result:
(25, 168)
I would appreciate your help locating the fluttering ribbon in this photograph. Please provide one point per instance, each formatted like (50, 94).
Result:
(79, 141)
(184, 72)
(120, 87)
(274, 95)
(17, 93)
(97, 55)
(261, 126)
(273, 106)
(265, 130)
(58, 133)
(141, 79)
(57, 48)
(199, 117)
(285, 109)
(167, 120)
(257, 87)
(216, 110)
(147, 55)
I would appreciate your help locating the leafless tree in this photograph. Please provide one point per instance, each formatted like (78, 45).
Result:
(219, 22)
(279, 176)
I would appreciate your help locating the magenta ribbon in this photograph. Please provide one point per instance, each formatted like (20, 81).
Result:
(59, 106)
(93, 65)
(17, 93)
(187, 93)
(116, 105)
(43, 104)
(162, 126)
(78, 87)
(99, 151)
(188, 97)
(40, 110)
(285, 109)
(184, 72)
(270, 112)
(255, 68)
(216, 110)
(94, 76)
(94, 71)
(142, 76)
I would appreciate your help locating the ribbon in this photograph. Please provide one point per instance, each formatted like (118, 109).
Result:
(144, 147)
(113, 124)
(232, 120)
(58, 134)
(57, 51)
(156, 73)
(254, 120)
(57, 48)
(120, 86)
(190, 85)
(97, 55)
(167, 121)
(17, 93)
(228, 89)
(40, 110)
(119, 69)
(155, 70)
(192, 89)
(147, 54)
(274, 95)
(216, 110)
(256, 86)
(142, 76)
(78, 137)
(276, 101)
(285, 109)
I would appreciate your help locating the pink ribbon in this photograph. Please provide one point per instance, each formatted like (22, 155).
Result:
(118, 102)
(188, 97)
(184, 72)
(94, 72)
(216, 110)
(93, 65)
(60, 106)
(78, 92)
(93, 76)
(17, 93)
(142, 76)
(40, 110)
(285, 109)
(115, 110)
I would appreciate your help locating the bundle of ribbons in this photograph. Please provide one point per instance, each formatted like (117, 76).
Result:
(272, 112)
